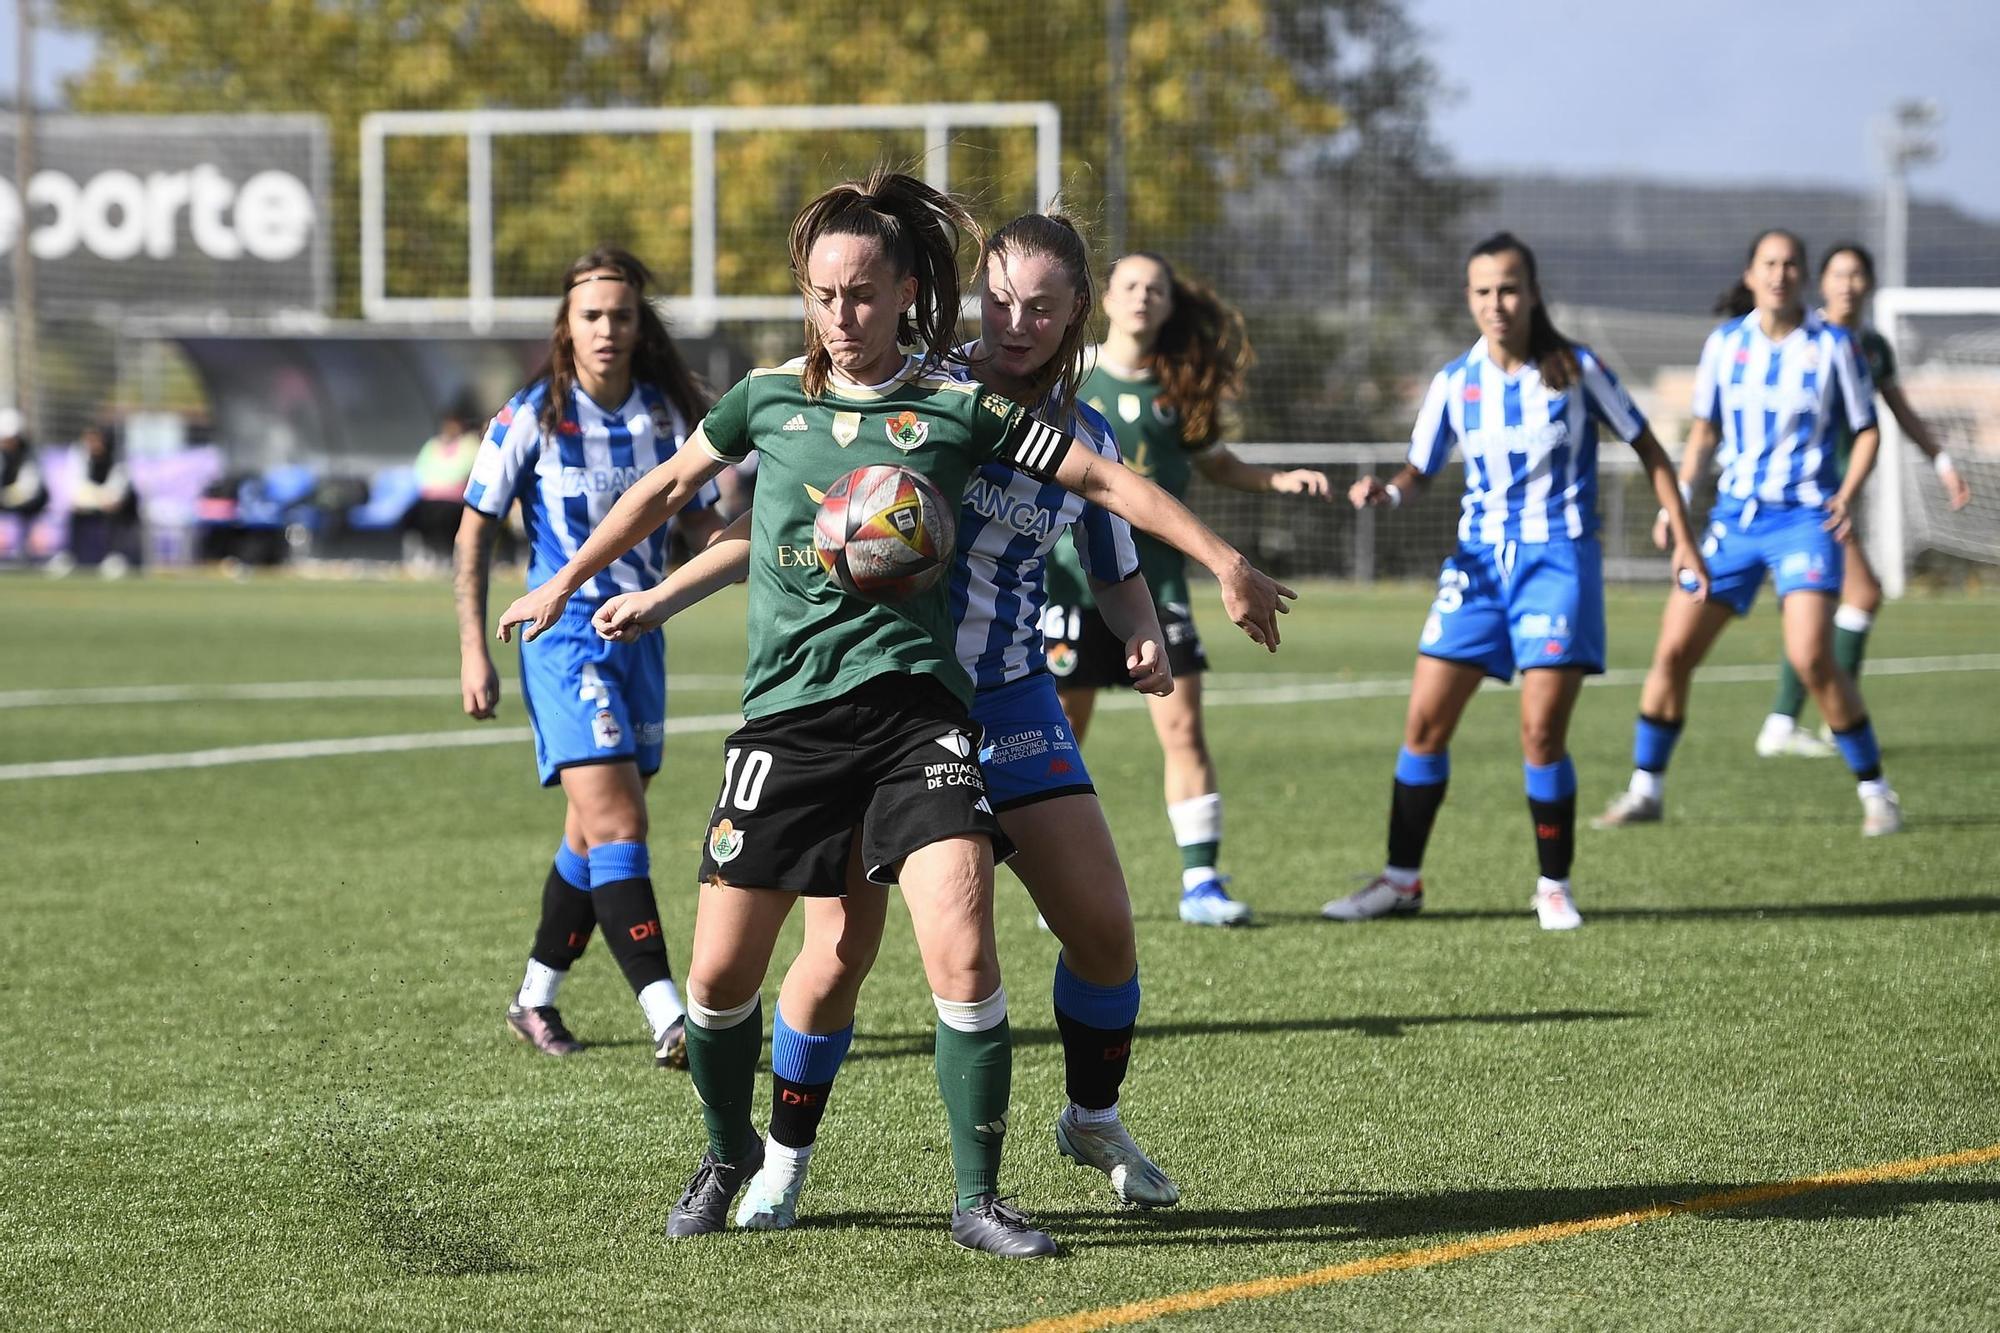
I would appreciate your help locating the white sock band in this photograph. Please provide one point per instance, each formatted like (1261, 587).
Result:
(715, 1020)
(538, 985)
(972, 1015)
(661, 1003)
(1198, 819)
(1853, 619)
(1648, 784)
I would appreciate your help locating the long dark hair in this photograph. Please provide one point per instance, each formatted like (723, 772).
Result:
(1861, 257)
(1055, 238)
(1739, 300)
(1201, 355)
(655, 358)
(1554, 355)
(919, 229)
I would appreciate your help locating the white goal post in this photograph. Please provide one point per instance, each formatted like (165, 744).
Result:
(698, 309)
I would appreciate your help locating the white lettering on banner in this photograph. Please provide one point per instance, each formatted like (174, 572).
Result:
(118, 215)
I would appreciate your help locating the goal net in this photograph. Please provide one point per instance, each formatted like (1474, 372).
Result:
(1947, 346)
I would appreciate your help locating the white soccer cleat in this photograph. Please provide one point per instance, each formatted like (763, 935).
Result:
(1110, 1149)
(1556, 909)
(771, 1199)
(1378, 897)
(1209, 904)
(1630, 808)
(1881, 815)
(1795, 743)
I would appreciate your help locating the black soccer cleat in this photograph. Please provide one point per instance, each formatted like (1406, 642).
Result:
(704, 1205)
(992, 1226)
(542, 1028)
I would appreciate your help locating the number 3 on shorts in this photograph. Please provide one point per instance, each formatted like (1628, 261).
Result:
(743, 791)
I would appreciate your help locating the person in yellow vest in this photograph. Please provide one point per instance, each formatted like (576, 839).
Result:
(444, 466)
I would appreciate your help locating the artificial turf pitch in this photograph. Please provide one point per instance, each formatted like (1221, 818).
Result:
(257, 1075)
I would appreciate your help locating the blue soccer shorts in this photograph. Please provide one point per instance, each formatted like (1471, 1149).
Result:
(1519, 606)
(1745, 541)
(591, 701)
(1029, 754)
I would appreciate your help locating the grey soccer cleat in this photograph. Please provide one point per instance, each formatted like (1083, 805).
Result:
(542, 1028)
(992, 1226)
(703, 1208)
(670, 1051)
(1630, 808)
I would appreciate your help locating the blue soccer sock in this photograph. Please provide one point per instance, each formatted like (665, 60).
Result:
(803, 1067)
(1552, 803)
(1858, 747)
(1096, 1023)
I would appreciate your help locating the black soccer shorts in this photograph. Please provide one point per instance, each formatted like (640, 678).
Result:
(894, 762)
(1088, 655)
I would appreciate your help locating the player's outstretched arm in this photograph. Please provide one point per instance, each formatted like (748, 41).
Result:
(1128, 611)
(631, 615)
(652, 500)
(1224, 468)
(1920, 435)
(471, 568)
(1689, 567)
(1252, 599)
(1371, 492)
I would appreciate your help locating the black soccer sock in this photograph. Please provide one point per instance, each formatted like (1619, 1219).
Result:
(796, 1110)
(1096, 1023)
(803, 1067)
(567, 917)
(1421, 780)
(1552, 802)
(627, 910)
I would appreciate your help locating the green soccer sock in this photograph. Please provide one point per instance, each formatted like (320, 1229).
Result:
(1791, 698)
(1200, 855)
(975, 1074)
(1849, 647)
(723, 1064)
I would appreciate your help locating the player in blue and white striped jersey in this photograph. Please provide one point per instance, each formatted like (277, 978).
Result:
(614, 402)
(1776, 388)
(1525, 589)
(1035, 306)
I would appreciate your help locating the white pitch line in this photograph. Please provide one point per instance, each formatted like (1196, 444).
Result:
(285, 689)
(1378, 687)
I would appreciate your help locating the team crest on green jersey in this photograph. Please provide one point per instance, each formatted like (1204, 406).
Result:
(1128, 406)
(725, 840)
(846, 428)
(905, 431)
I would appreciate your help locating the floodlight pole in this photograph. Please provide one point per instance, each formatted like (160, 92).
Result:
(1906, 141)
(24, 171)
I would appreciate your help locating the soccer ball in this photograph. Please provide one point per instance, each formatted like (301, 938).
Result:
(884, 533)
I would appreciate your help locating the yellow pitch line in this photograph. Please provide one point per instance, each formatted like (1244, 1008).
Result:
(1263, 1288)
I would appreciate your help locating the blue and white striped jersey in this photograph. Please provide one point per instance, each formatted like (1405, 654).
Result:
(999, 581)
(1782, 408)
(567, 490)
(1530, 455)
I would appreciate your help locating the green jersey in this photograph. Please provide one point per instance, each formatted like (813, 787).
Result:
(1881, 362)
(810, 641)
(1150, 439)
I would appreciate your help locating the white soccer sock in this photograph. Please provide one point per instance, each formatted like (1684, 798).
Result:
(972, 1015)
(718, 1020)
(1404, 879)
(1648, 784)
(1197, 819)
(1543, 884)
(1093, 1119)
(1195, 878)
(1873, 787)
(538, 986)
(1852, 619)
(662, 1003)
(785, 1162)
(1778, 724)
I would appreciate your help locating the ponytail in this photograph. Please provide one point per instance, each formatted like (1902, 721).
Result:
(1201, 356)
(919, 230)
(1554, 355)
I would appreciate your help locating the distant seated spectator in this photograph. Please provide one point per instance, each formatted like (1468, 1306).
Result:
(104, 509)
(22, 492)
(444, 465)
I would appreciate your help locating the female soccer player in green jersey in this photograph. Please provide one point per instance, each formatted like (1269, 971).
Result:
(1846, 277)
(1173, 355)
(858, 753)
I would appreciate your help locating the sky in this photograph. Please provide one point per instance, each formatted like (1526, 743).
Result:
(1691, 90)
(1718, 90)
